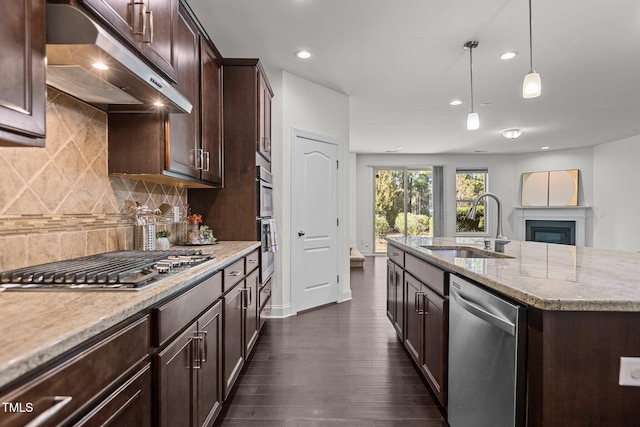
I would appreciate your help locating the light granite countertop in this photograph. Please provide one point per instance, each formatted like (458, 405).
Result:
(35, 327)
(545, 276)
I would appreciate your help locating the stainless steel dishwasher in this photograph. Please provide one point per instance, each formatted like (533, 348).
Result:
(487, 346)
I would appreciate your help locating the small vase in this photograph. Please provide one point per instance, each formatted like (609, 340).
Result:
(194, 234)
(163, 244)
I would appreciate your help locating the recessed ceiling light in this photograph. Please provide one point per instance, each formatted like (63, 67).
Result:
(159, 104)
(511, 133)
(303, 54)
(100, 65)
(544, 148)
(399, 148)
(455, 102)
(485, 104)
(508, 55)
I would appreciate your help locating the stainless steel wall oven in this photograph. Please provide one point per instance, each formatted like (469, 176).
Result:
(266, 223)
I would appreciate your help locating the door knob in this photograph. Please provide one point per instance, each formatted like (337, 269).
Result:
(301, 233)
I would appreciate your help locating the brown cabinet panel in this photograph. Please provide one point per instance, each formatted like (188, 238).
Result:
(428, 274)
(211, 100)
(233, 273)
(413, 318)
(175, 381)
(252, 261)
(184, 154)
(435, 343)
(130, 405)
(264, 117)
(23, 90)
(172, 316)
(209, 366)
(147, 25)
(233, 337)
(82, 380)
(396, 255)
(251, 304)
(177, 149)
(395, 297)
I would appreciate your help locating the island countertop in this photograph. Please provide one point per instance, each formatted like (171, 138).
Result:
(36, 327)
(541, 275)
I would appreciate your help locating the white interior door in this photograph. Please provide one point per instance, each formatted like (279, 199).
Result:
(314, 202)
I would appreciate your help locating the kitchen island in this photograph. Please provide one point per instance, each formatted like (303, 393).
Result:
(38, 327)
(583, 311)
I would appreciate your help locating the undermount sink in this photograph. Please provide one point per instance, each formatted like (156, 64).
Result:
(463, 252)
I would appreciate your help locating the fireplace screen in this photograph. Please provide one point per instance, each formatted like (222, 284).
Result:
(546, 231)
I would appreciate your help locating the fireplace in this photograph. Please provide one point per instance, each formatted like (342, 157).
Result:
(550, 231)
(555, 216)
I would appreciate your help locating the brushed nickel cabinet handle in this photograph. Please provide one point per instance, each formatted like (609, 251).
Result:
(150, 19)
(206, 159)
(195, 348)
(235, 273)
(42, 419)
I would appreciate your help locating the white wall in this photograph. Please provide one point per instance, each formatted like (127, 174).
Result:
(304, 105)
(616, 203)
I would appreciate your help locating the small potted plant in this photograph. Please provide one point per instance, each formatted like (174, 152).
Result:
(162, 240)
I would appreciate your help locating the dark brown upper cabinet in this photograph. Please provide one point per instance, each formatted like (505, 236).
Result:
(179, 149)
(22, 67)
(148, 25)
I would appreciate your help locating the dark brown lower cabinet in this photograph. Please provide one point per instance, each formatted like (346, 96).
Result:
(189, 390)
(426, 333)
(252, 301)
(107, 379)
(395, 297)
(233, 337)
(130, 405)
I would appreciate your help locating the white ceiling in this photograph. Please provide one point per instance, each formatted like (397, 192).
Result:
(402, 61)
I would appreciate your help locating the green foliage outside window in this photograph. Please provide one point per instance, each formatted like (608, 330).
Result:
(416, 224)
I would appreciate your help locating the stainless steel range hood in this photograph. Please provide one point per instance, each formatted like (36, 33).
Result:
(75, 43)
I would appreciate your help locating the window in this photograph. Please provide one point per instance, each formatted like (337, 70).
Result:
(470, 183)
(403, 204)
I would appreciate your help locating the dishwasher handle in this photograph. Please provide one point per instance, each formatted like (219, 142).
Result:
(483, 314)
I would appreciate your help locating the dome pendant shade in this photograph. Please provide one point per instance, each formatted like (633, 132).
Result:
(532, 86)
(473, 121)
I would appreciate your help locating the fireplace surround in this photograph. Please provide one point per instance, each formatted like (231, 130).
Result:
(558, 214)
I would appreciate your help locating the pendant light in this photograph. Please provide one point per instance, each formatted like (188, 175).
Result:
(473, 120)
(532, 86)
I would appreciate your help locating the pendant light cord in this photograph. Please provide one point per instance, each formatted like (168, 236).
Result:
(530, 39)
(471, 73)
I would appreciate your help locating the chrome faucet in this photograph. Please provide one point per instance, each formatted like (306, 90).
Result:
(501, 241)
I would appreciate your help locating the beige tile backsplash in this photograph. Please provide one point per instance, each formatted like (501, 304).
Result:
(58, 202)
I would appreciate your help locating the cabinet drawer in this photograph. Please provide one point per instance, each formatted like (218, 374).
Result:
(396, 255)
(265, 293)
(74, 386)
(426, 273)
(252, 261)
(233, 274)
(174, 315)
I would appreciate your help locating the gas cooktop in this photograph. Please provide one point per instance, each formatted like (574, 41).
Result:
(119, 270)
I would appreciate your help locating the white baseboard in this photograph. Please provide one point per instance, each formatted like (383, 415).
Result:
(280, 311)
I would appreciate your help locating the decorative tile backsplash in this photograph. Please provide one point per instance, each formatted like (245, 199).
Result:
(58, 202)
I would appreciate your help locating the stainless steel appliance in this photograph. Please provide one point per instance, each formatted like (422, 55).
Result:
(119, 270)
(487, 340)
(266, 224)
(75, 41)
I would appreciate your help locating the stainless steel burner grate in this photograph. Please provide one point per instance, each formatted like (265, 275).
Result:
(110, 270)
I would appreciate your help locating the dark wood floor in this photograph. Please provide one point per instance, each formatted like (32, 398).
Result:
(340, 365)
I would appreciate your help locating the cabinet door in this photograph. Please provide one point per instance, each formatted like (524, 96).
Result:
(183, 151)
(391, 292)
(209, 366)
(398, 300)
(233, 342)
(264, 117)
(211, 123)
(412, 316)
(22, 91)
(175, 386)
(251, 302)
(130, 405)
(158, 43)
(148, 25)
(434, 347)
